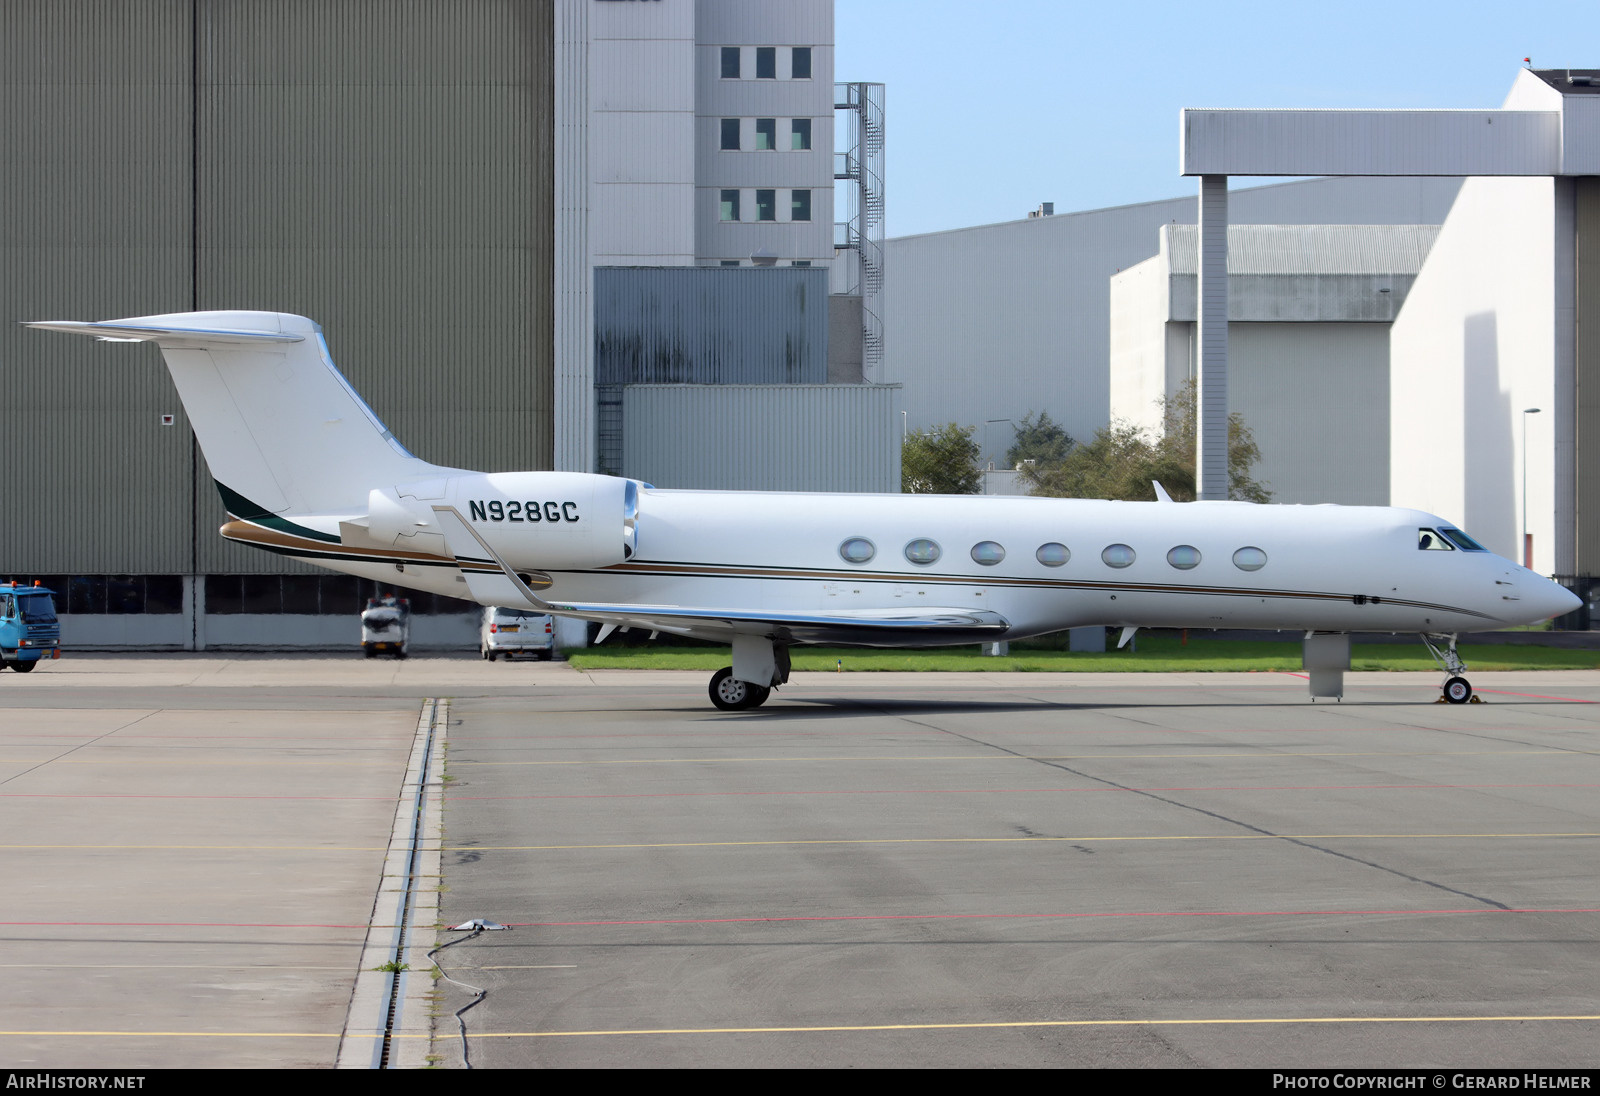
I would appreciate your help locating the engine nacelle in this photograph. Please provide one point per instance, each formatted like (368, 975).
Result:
(550, 521)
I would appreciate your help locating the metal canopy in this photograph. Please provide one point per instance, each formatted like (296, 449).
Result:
(1220, 143)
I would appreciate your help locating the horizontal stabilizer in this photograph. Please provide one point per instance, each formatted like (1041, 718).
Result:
(167, 336)
(280, 426)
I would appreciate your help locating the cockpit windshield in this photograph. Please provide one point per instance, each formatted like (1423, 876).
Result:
(1460, 539)
(1446, 539)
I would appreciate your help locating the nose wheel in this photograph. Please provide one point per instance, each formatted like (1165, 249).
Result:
(1457, 690)
(733, 695)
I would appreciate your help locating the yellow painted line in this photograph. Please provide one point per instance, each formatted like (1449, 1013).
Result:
(1123, 756)
(831, 841)
(956, 1026)
(1218, 1022)
(1022, 840)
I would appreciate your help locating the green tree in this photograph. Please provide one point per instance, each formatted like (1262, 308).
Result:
(1122, 459)
(1041, 440)
(943, 461)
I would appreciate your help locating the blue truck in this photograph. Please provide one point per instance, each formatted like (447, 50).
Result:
(29, 630)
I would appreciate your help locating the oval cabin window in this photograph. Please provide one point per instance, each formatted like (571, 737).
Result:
(857, 550)
(1052, 554)
(987, 553)
(1249, 559)
(1117, 555)
(1184, 556)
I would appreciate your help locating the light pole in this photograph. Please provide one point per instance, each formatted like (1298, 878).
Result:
(1527, 538)
(986, 424)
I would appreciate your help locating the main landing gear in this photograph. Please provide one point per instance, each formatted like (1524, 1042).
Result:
(1457, 690)
(732, 695)
(759, 666)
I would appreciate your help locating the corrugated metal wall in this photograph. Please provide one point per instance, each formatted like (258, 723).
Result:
(1587, 457)
(710, 325)
(96, 127)
(743, 437)
(383, 169)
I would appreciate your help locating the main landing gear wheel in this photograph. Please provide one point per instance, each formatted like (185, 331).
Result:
(1457, 690)
(732, 695)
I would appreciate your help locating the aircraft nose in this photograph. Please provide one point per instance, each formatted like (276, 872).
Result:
(1529, 598)
(1561, 600)
(1545, 599)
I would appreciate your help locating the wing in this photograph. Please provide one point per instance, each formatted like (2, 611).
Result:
(492, 582)
(929, 627)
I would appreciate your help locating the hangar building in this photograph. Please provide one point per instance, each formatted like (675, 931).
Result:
(478, 200)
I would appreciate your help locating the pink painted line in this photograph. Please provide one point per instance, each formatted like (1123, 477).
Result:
(1539, 696)
(1010, 791)
(113, 736)
(133, 795)
(1037, 916)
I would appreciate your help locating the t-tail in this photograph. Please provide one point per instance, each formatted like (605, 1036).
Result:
(280, 427)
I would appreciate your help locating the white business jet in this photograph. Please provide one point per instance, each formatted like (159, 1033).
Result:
(306, 469)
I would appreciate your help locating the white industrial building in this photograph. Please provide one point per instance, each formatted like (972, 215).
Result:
(1470, 391)
(985, 324)
(693, 134)
(1309, 309)
(1496, 359)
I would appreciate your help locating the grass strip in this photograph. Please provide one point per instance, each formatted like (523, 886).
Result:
(1156, 653)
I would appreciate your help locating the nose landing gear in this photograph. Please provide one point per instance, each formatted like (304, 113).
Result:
(1457, 690)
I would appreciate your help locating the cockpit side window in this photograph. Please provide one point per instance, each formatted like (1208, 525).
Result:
(1429, 540)
(1460, 539)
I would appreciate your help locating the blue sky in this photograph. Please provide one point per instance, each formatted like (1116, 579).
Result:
(993, 108)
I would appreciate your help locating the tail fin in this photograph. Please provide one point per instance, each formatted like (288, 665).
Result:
(279, 425)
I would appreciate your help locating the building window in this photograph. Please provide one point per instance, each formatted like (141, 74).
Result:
(766, 205)
(730, 205)
(801, 67)
(730, 62)
(801, 262)
(766, 134)
(766, 63)
(800, 134)
(729, 262)
(730, 134)
(800, 206)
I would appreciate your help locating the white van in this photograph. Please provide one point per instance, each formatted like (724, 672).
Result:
(513, 632)
(386, 626)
